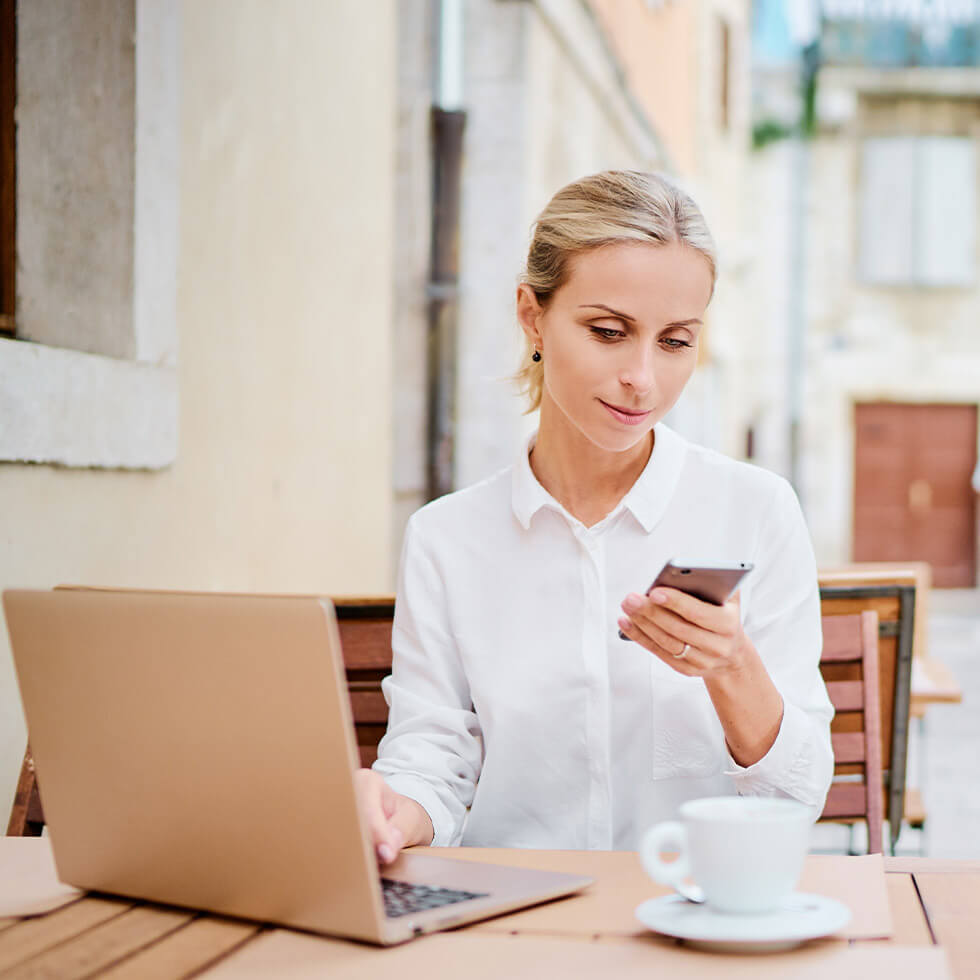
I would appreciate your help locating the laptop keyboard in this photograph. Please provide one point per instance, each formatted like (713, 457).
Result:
(401, 898)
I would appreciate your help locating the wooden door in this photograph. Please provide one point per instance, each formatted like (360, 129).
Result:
(913, 498)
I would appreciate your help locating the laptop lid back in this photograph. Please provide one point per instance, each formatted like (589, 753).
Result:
(197, 749)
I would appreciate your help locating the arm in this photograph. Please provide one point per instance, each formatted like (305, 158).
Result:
(760, 665)
(699, 639)
(430, 758)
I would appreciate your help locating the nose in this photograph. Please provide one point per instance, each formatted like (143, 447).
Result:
(638, 371)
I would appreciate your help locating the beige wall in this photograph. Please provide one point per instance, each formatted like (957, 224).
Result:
(658, 49)
(283, 479)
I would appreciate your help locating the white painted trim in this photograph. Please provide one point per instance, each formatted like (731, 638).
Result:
(75, 409)
(156, 175)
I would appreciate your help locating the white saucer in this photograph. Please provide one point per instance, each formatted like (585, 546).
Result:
(803, 917)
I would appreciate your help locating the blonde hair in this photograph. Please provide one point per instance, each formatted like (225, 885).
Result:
(605, 208)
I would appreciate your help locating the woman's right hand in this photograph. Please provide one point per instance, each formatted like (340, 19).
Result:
(394, 821)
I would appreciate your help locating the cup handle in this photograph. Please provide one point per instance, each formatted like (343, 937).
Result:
(669, 836)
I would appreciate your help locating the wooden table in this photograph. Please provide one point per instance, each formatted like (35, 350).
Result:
(935, 911)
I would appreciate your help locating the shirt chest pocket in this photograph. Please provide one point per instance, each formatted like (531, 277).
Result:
(688, 739)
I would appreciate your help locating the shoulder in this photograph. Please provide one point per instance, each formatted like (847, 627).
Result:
(475, 508)
(735, 476)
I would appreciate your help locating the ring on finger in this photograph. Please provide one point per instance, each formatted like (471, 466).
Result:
(683, 653)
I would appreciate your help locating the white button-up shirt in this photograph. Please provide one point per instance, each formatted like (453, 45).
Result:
(519, 718)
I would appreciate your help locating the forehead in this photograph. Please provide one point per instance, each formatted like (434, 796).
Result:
(668, 282)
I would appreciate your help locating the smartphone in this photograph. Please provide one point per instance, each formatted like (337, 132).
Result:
(710, 583)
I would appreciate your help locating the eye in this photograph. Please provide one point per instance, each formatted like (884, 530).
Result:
(675, 343)
(607, 334)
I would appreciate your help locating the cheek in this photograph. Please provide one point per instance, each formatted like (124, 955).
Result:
(677, 370)
(570, 366)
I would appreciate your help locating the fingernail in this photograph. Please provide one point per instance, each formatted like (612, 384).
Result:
(632, 602)
(624, 624)
(386, 853)
(658, 596)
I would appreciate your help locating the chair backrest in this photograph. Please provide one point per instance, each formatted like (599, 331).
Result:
(849, 663)
(365, 636)
(895, 605)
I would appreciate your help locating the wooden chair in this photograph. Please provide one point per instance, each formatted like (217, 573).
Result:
(365, 637)
(895, 605)
(849, 663)
(26, 815)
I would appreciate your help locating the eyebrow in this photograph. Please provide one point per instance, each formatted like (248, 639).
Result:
(626, 316)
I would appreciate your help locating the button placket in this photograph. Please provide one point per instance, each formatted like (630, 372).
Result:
(597, 674)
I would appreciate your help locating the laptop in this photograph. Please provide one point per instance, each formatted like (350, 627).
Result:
(197, 749)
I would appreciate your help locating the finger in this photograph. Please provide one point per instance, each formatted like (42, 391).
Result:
(655, 633)
(668, 629)
(680, 664)
(706, 615)
(372, 796)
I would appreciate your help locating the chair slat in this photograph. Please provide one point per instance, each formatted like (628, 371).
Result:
(366, 643)
(369, 707)
(856, 734)
(848, 747)
(846, 695)
(846, 800)
(841, 639)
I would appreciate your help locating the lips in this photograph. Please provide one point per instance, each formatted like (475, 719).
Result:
(625, 415)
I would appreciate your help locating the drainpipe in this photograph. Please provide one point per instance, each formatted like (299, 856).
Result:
(448, 120)
(796, 369)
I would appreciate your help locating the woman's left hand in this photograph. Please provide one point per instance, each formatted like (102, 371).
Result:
(691, 636)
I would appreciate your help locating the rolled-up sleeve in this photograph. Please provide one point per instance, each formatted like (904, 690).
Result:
(783, 621)
(433, 749)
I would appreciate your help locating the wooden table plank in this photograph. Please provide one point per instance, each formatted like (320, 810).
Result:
(29, 937)
(920, 865)
(488, 956)
(607, 907)
(199, 944)
(911, 927)
(104, 945)
(952, 904)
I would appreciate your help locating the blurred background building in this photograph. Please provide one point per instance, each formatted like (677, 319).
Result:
(866, 123)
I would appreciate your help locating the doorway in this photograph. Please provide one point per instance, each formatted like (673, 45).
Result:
(913, 497)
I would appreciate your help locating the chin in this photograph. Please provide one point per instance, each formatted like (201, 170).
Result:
(618, 439)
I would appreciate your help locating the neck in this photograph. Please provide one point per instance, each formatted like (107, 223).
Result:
(586, 480)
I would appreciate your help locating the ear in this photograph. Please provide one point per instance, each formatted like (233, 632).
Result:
(529, 312)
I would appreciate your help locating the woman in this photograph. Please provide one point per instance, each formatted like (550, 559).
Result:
(518, 716)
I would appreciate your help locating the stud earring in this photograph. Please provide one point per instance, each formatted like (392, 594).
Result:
(536, 356)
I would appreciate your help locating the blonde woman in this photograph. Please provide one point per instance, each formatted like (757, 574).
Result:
(518, 716)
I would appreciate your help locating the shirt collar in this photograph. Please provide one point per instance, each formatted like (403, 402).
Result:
(646, 500)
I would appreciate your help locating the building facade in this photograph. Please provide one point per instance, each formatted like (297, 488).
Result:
(868, 253)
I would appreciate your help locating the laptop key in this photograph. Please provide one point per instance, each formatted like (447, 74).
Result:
(403, 898)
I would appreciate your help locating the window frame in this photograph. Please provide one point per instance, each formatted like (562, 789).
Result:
(80, 409)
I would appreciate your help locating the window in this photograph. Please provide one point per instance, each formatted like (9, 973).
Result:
(918, 211)
(90, 378)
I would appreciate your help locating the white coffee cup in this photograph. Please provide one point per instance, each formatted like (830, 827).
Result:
(746, 853)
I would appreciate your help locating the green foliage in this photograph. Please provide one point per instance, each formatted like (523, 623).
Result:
(768, 131)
